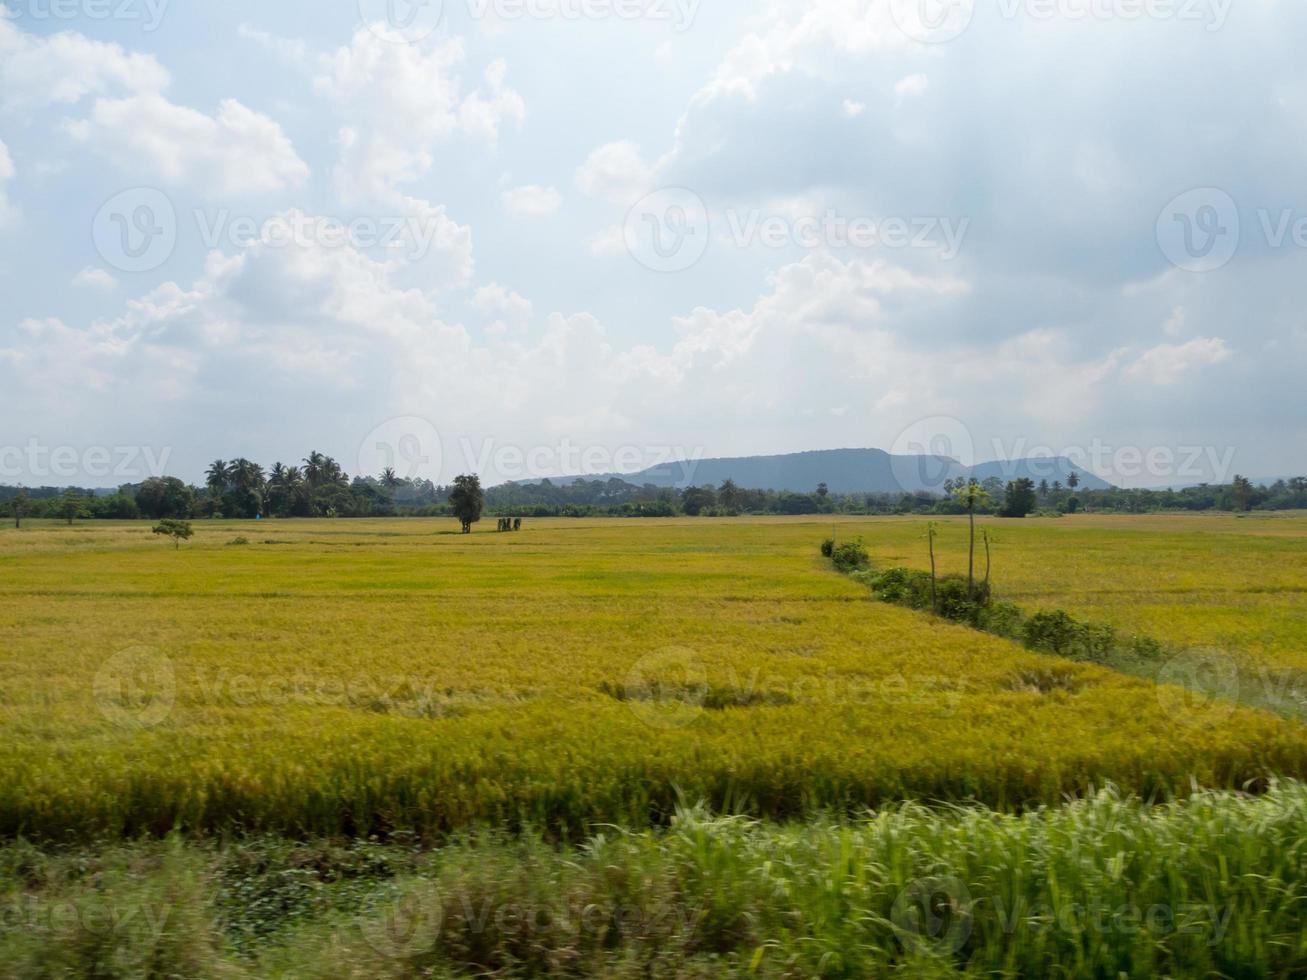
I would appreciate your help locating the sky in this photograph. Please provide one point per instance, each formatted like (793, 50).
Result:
(534, 237)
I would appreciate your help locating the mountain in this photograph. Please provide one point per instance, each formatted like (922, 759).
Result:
(846, 471)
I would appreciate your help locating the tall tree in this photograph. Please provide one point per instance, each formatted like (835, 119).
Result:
(217, 476)
(972, 495)
(467, 501)
(19, 507)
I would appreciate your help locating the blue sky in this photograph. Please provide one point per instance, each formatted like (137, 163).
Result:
(581, 235)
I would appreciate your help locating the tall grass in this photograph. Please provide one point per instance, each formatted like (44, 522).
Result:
(1105, 886)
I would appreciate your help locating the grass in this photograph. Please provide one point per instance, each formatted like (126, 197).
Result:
(358, 678)
(1104, 886)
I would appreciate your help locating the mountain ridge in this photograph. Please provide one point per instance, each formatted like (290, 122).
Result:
(866, 470)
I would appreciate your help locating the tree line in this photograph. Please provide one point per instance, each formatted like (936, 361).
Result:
(318, 486)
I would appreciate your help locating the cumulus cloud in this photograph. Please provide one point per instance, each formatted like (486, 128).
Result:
(235, 150)
(64, 68)
(132, 123)
(398, 102)
(616, 172)
(532, 201)
(94, 278)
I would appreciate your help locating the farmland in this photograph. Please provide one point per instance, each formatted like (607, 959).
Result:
(393, 679)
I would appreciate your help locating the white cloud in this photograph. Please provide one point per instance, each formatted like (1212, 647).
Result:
(133, 124)
(8, 212)
(235, 151)
(616, 172)
(1174, 325)
(64, 68)
(610, 241)
(505, 308)
(853, 109)
(398, 102)
(289, 50)
(532, 201)
(1166, 364)
(911, 85)
(94, 278)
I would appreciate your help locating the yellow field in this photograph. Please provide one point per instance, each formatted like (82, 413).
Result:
(353, 676)
(1233, 584)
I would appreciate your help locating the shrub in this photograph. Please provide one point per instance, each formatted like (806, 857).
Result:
(903, 587)
(1145, 647)
(828, 547)
(850, 556)
(1002, 619)
(956, 602)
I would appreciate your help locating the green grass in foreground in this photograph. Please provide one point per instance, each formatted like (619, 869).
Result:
(1213, 885)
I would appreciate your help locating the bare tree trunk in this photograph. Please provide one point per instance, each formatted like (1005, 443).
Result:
(986, 562)
(934, 604)
(971, 551)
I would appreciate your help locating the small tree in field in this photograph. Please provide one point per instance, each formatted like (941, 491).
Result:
(179, 531)
(72, 506)
(467, 501)
(19, 507)
(973, 495)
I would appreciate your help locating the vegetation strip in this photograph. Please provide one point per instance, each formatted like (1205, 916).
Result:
(1104, 886)
(962, 599)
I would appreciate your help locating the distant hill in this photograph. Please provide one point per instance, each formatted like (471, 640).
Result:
(846, 471)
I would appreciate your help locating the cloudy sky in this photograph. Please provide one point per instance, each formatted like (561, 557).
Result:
(533, 236)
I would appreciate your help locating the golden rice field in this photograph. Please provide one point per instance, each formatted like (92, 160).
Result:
(355, 677)
(1233, 584)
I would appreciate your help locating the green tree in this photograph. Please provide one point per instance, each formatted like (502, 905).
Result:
(179, 531)
(467, 500)
(972, 495)
(216, 477)
(18, 507)
(729, 495)
(160, 497)
(695, 500)
(72, 505)
(1019, 498)
(1073, 479)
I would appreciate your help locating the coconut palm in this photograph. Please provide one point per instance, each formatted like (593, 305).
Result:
(217, 476)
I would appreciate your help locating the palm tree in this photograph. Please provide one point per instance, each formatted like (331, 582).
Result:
(389, 479)
(313, 467)
(247, 475)
(217, 476)
(972, 494)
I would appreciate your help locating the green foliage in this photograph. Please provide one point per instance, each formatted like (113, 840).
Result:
(850, 556)
(828, 547)
(467, 501)
(1019, 499)
(179, 531)
(1105, 885)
